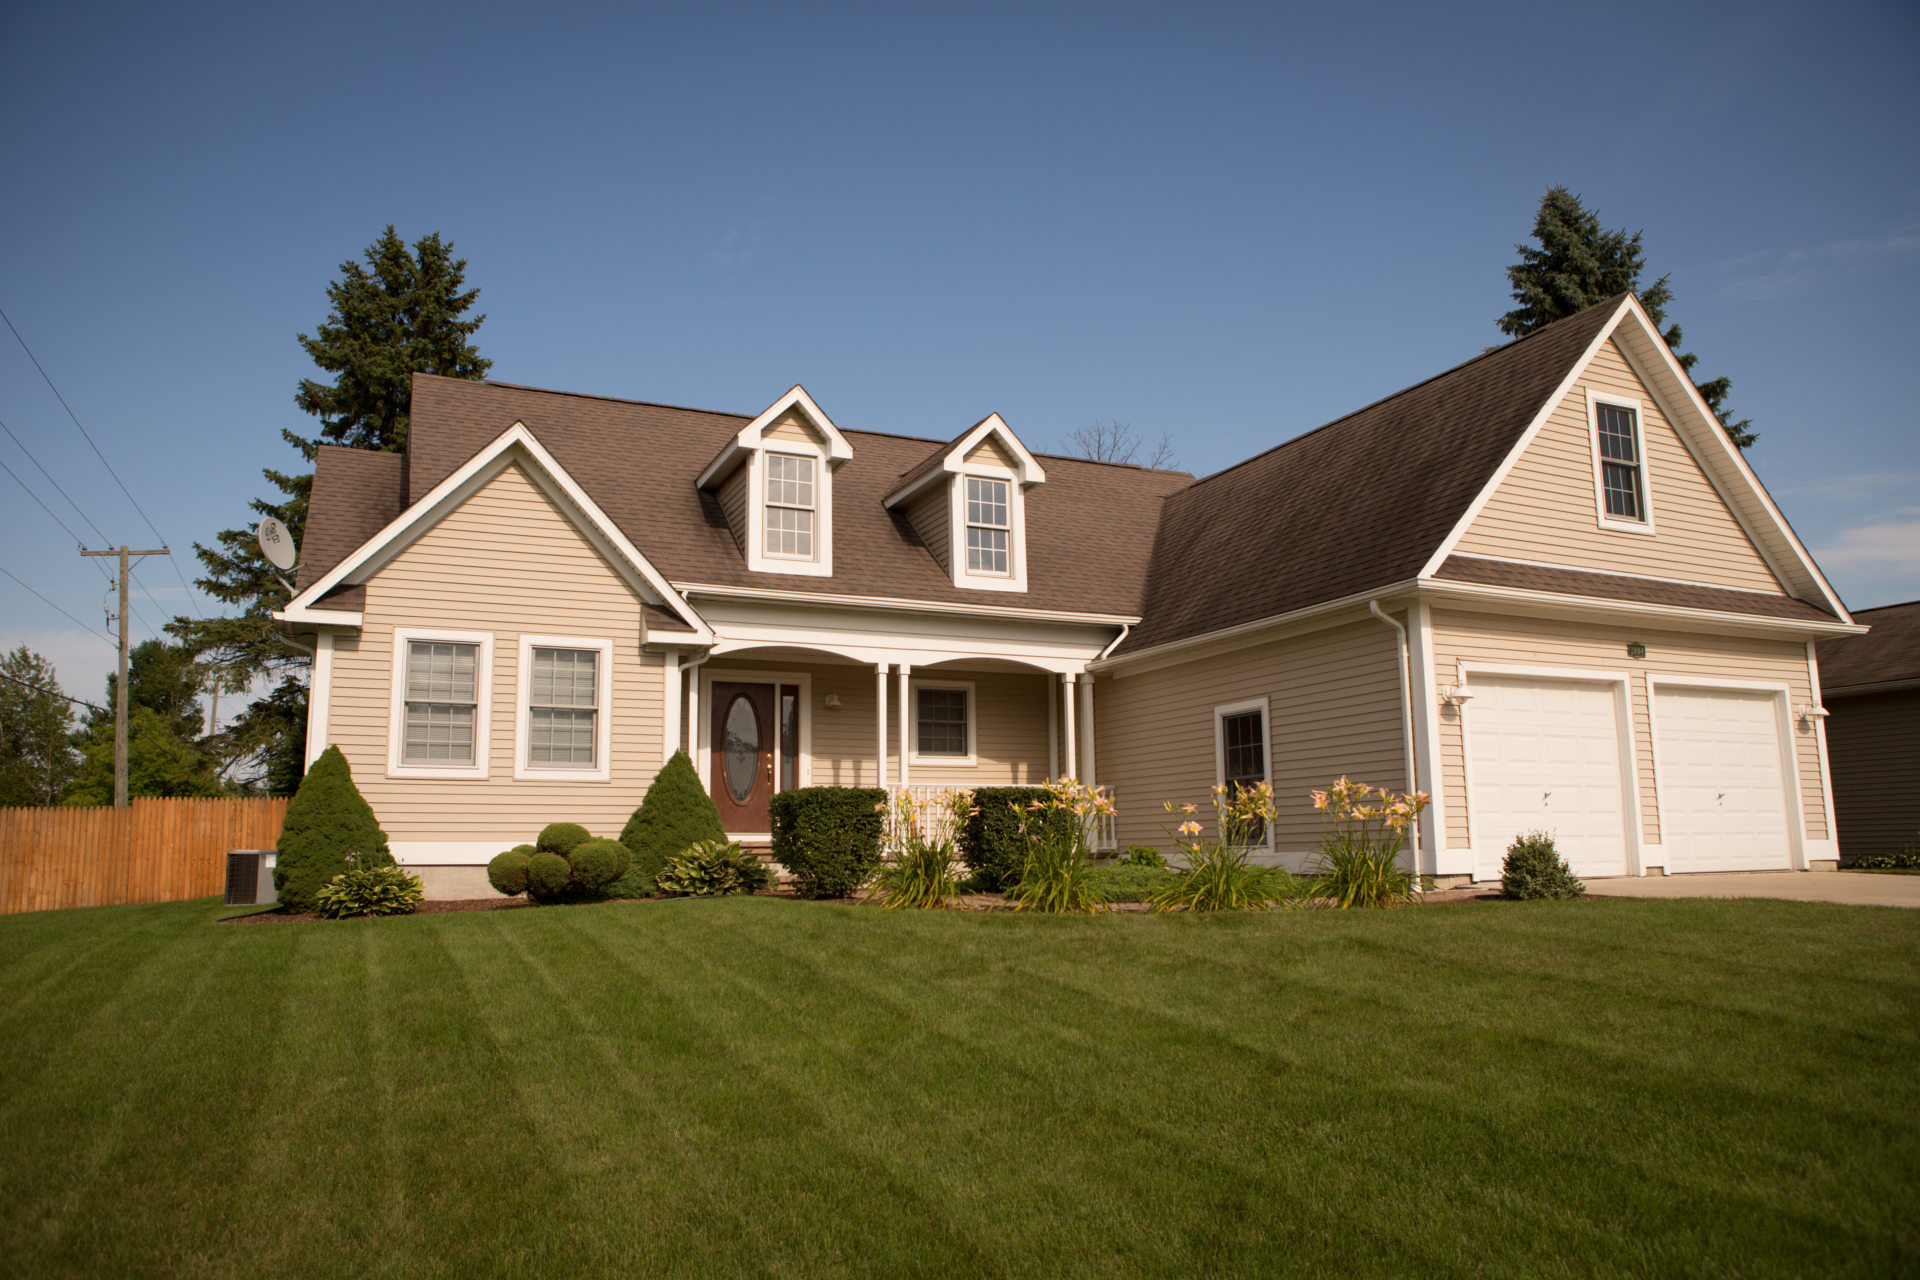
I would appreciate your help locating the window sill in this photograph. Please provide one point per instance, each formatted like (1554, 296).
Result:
(458, 773)
(1617, 525)
(951, 762)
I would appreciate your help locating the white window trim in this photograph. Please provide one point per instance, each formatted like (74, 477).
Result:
(602, 768)
(758, 561)
(1220, 714)
(1015, 578)
(397, 767)
(1596, 398)
(914, 756)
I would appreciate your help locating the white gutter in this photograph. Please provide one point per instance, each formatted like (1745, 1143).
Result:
(1406, 724)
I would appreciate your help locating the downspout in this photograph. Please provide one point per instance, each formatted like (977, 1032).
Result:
(1118, 640)
(1406, 722)
(291, 643)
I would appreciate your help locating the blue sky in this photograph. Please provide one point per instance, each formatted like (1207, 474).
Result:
(1225, 223)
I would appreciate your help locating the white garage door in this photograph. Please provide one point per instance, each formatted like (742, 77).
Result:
(1545, 756)
(1722, 795)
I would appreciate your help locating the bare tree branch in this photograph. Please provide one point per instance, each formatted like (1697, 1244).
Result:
(1116, 441)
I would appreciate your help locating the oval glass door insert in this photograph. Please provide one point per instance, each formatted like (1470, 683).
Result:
(743, 749)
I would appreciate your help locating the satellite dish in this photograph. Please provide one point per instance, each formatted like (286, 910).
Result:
(276, 544)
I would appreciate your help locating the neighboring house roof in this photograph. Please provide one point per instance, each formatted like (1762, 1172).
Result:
(1362, 502)
(1089, 531)
(1888, 654)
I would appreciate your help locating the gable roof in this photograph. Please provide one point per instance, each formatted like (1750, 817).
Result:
(358, 493)
(1090, 532)
(952, 456)
(1360, 503)
(1888, 654)
(751, 436)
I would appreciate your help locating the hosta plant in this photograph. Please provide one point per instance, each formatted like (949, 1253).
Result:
(370, 886)
(1359, 860)
(1218, 875)
(711, 869)
(1057, 875)
(924, 871)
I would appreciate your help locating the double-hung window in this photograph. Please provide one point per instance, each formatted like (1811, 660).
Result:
(442, 698)
(563, 708)
(988, 526)
(1240, 745)
(1623, 488)
(790, 506)
(943, 723)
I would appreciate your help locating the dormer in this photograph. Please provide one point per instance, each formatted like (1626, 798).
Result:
(774, 480)
(968, 504)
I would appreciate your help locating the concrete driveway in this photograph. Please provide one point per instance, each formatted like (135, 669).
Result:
(1855, 888)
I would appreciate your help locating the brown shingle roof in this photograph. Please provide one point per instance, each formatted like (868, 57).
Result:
(1889, 652)
(356, 493)
(1362, 502)
(1609, 586)
(1090, 528)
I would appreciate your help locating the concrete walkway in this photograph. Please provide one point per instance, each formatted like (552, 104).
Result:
(1855, 888)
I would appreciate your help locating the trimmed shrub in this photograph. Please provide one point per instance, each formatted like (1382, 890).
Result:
(326, 820)
(712, 869)
(380, 890)
(1907, 859)
(508, 871)
(828, 837)
(1128, 882)
(675, 814)
(561, 837)
(597, 864)
(548, 875)
(992, 843)
(1535, 869)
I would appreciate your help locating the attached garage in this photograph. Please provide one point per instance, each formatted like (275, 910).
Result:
(1723, 778)
(1546, 754)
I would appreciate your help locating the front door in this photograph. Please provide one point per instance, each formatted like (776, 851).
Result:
(743, 750)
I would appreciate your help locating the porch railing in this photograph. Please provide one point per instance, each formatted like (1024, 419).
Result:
(933, 819)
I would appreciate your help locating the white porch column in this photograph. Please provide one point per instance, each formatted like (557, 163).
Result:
(670, 704)
(880, 722)
(906, 720)
(1425, 695)
(1066, 691)
(1086, 728)
(694, 752)
(320, 695)
(1053, 731)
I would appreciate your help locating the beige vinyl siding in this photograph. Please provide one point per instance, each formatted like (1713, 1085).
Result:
(1545, 509)
(506, 562)
(733, 501)
(1335, 701)
(792, 425)
(1873, 744)
(930, 515)
(990, 452)
(1602, 646)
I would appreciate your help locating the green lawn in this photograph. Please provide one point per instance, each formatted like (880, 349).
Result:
(772, 1088)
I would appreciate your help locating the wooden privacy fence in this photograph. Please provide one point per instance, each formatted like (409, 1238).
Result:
(152, 851)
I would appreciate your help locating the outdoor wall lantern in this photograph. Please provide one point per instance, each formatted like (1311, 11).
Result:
(833, 702)
(1458, 695)
(1807, 711)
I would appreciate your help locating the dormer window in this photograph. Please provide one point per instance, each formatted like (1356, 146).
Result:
(987, 526)
(790, 506)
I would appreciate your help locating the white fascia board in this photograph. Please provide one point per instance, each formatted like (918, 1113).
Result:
(1027, 468)
(1246, 633)
(1676, 617)
(750, 436)
(1507, 464)
(294, 615)
(1708, 441)
(909, 606)
(446, 496)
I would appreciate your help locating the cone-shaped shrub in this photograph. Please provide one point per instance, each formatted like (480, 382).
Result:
(508, 871)
(326, 820)
(676, 814)
(561, 837)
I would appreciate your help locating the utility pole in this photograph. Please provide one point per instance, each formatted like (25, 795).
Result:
(120, 687)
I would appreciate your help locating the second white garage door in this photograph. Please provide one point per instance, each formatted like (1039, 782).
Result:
(1722, 791)
(1545, 755)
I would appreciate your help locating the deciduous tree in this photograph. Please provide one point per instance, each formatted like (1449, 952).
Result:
(37, 756)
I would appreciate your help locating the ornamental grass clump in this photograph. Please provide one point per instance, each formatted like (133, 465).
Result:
(712, 869)
(1534, 869)
(924, 872)
(1359, 860)
(370, 886)
(1057, 875)
(1218, 875)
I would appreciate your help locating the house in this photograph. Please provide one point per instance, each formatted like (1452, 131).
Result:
(1541, 587)
(1872, 692)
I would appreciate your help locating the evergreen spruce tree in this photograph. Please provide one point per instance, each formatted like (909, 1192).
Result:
(399, 312)
(1578, 263)
(37, 756)
(675, 814)
(326, 820)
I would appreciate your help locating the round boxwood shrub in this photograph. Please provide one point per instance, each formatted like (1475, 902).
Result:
(828, 837)
(326, 820)
(561, 837)
(508, 871)
(676, 814)
(597, 864)
(548, 875)
(1534, 869)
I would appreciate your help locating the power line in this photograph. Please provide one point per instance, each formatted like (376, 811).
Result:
(103, 457)
(56, 608)
(56, 484)
(54, 693)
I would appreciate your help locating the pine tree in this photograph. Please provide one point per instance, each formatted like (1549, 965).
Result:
(37, 757)
(398, 313)
(1579, 263)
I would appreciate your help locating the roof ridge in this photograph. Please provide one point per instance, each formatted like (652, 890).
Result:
(1502, 349)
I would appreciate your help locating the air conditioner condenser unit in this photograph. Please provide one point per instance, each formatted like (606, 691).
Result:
(250, 877)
